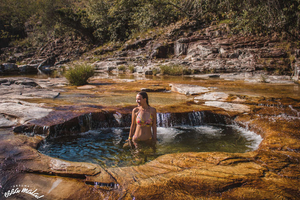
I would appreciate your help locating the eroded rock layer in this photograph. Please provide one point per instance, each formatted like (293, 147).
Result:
(270, 172)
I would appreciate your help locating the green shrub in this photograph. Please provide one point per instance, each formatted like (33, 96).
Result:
(196, 71)
(187, 71)
(131, 68)
(173, 70)
(155, 71)
(79, 74)
(122, 68)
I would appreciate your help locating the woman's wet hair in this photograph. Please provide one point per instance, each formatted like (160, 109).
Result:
(144, 95)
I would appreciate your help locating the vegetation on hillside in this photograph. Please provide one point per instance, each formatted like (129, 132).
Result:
(100, 21)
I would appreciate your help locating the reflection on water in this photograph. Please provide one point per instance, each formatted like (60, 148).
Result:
(105, 146)
(123, 99)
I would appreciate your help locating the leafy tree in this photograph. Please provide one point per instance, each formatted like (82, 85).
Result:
(118, 20)
(13, 15)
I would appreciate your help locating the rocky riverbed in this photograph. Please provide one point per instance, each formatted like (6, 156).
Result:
(32, 109)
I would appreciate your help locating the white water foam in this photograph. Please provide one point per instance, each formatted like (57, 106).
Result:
(166, 135)
(118, 135)
(250, 136)
(210, 131)
(90, 132)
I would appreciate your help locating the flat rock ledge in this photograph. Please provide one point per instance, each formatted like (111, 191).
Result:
(27, 88)
(16, 112)
(271, 172)
(188, 89)
(212, 96)
(232, 107)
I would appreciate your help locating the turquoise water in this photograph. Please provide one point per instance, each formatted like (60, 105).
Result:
(105, 146)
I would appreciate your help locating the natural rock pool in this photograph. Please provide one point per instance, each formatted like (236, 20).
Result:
(105, 146)
(75, 149)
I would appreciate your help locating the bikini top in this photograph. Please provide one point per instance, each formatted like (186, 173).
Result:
(146, 123)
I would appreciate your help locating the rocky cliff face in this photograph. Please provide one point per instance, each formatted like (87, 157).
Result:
(213, 50)
(199, 49)
(210, 49)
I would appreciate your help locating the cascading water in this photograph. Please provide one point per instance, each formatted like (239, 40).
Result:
(295, 111)
(176, 132)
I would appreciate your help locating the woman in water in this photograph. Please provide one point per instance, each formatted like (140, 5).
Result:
(143, 120)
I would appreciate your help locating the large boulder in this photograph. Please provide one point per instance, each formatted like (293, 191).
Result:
(106, 66)
(9, 68)
(28, 69)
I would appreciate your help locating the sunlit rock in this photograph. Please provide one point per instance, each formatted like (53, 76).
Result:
(86, 87)
(106, 66)
(212, 96)
(6, 122)
(270, 172)
(21, 111)
(229, 106)
(188, 89)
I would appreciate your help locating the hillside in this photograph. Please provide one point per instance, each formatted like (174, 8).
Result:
(197, 36)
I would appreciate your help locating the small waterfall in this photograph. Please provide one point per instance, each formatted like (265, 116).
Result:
(46, 130)
(85, 121)
(118, 117)
(294, 110)
(57, 130)
(164, 119)
(196, 118)
(40, 130)
(192, 119)
(106, 119)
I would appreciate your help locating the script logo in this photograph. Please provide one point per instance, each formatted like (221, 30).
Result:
(22, 189)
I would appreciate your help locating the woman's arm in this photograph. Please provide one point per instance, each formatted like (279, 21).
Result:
(133, 124)
(154, 126)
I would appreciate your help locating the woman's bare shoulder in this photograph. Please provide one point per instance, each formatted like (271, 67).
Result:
(153, 110)
(135, 110)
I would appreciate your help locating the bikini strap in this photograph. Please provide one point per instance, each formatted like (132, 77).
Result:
(137, 115)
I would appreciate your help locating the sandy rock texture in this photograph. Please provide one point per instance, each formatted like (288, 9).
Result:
(270, 172)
